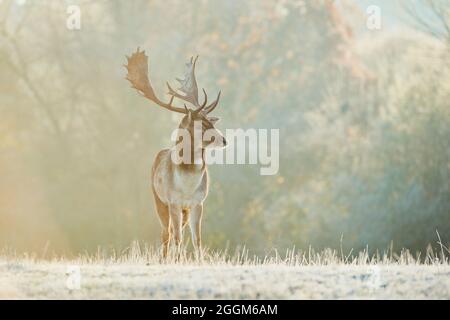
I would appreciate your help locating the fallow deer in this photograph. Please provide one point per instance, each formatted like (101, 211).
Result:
(179, 189)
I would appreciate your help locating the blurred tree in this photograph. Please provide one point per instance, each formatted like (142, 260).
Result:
(363, 126)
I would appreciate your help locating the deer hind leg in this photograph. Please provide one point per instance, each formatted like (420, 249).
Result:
(176, 220)
(164, 219)
(195, 223)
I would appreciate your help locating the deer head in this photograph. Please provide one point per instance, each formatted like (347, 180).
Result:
(137, 67)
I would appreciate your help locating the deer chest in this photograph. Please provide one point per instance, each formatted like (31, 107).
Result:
(178, 186)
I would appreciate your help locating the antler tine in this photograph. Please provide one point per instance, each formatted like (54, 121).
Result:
(173, 93)
(206, 98)
(213, 105)
(167, 106)
(204, 102)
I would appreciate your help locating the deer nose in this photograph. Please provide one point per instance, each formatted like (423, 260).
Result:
(224, 141)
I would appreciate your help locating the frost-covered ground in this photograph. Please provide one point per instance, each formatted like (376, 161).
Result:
(52, 280)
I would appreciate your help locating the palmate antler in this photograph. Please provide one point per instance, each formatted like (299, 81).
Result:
(138, 76)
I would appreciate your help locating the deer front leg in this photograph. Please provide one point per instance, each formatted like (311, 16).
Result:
(165, 237)
(164, 218)
(195, 223)
(176, 217)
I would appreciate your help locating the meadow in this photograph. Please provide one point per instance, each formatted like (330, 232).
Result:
(138, 273)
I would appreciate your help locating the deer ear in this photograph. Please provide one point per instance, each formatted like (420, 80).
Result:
(213, 120)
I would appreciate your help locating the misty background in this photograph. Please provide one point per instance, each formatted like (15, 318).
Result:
(364, 121)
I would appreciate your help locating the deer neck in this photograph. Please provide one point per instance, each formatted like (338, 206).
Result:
(197, 160)
(187, 177)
